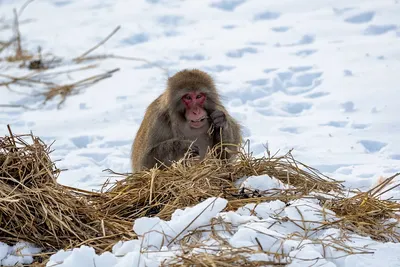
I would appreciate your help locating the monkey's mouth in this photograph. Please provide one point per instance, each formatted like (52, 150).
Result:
(201, 119)
(198, 123)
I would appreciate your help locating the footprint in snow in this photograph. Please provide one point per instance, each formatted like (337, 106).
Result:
(366, 175)
(336, 124)
(171, 21)
(229, 27)
(391, 170)
(121, 98)
(84, 140)
(117, 143)
(347, 73)
(360, 18)
(135, 39)
(340, 11)
(296, 108)
(348, 107)
(61, 3)
(194, 57)
(379, 29)
(98, 157)
(317, 95)
(227, 5)
(248, 94)
(395, 157)
(292, 130)
(295, 80)
(360, 126)
(280, 29)
(159, 63)
(305, 52)
(257, 43)
(266, 15)
(218, 68)
(269, 70)
(372, 146)
(258, 82)
(238, 53)
(304, 40)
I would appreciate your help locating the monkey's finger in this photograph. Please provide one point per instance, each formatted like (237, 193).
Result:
(195, 150)
(217, 114)
(219, 122)
(219, 119)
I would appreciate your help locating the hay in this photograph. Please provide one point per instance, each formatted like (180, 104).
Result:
(63, 91)
(367, 214)
(36, 209)
(228, 257)
(44, 81)
(159, 192)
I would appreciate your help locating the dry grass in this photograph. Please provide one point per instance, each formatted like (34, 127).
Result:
(37, 209)
(41, 78)
(365, 213)
(63, 91)
(20, 54)
(226, 258)
(161, 191)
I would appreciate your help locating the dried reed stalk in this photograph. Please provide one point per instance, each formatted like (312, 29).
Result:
(35, 208)
(367, 214)
(159, 192)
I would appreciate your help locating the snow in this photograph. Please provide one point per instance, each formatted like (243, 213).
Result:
(262, 183)
(21, 253)
(283, 241)
(156, 233)
(318, 76)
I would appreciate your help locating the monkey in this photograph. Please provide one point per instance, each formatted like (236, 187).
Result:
(179, 120)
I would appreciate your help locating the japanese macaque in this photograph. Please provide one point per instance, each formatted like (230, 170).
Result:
(179, 122)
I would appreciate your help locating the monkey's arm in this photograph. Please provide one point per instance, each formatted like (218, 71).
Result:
(226, 133)
(167, 151)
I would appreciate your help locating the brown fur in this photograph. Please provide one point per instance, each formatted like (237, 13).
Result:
(164, 135)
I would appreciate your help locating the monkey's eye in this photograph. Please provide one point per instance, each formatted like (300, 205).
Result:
(187, 97)
(199, 96)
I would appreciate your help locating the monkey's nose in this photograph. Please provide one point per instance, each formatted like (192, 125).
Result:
(196, 110)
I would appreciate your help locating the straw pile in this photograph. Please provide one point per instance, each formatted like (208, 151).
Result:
(365, 212)
(160, 192)
(228, 257)
(35, 208)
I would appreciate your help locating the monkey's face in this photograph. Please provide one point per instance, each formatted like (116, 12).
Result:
(195, 112)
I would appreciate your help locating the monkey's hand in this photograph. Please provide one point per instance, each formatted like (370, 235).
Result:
(194, 151)
(190, 148)
(170, 150)
(218, 119)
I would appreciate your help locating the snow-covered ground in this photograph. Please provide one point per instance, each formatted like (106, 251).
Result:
(317, 76)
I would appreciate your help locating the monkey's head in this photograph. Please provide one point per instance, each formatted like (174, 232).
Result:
(193, 95)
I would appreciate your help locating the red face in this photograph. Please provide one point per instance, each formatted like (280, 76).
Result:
(194, 105)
